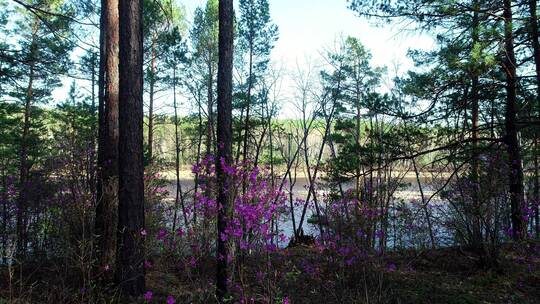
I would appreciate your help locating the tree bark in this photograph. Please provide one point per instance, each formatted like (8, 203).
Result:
(224, 138)
(477, 213)
(248, 106)
(130, 245)
(92, 142)
(199, 143)
(152, 84)
(179, 194)
(107, 186)
(533, 35)
(210, 110)
(24, 166)
(511, 137)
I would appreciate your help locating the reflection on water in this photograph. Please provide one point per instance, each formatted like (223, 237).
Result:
(399, 233)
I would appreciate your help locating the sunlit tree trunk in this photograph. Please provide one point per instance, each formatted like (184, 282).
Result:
(179, 194)
(248, 106)
(107, 185)
(198, 157)
(92, 143)
(210, 109)
(152, 84)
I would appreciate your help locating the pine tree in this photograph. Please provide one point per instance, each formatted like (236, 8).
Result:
(224, 139)
(130, 242)
(34, 72)
(256, 37)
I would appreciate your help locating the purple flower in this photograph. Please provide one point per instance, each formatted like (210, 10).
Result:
(147, 264)
(196, 168)
(344, 251)
(260, 276)
(192, 262)
(286, 300)
(391, 267)
(180, 232)
(144, 233)
(244, 245)
(271, 247)
(170, 300)
(226, 168)
(148, 295)
(510, 232)
(350, 261)
(161, 234)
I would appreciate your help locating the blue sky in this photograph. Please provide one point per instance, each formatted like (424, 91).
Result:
(306, 29)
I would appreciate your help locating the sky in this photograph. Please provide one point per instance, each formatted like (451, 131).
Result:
(306, 27)
(309, 27)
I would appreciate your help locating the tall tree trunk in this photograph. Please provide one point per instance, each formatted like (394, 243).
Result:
(210, 111)
(24, 166)
(240, 139)
(224, 138)
(199, 143)
(107, 186)
(292, 182)
(357, 140)
(511, 136)
(92, 142)
(477, 214)
(533, 35)
(179, 194)
(271, 145)
(260, 144)
(4, 216)
(101, 108)
(248, 106)
(130, 245)
(152, 84)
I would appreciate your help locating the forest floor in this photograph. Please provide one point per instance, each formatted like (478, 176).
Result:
(303, 274)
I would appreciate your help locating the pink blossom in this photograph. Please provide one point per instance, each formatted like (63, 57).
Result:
(147, 264)
(171, 300)
(148, 295)
(180, 232)
(391, 267)
(192, 262)
(161, 234)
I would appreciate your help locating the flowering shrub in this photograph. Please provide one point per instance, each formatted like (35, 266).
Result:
(255, 204)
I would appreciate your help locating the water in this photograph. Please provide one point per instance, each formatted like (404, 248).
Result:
(408, 194)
